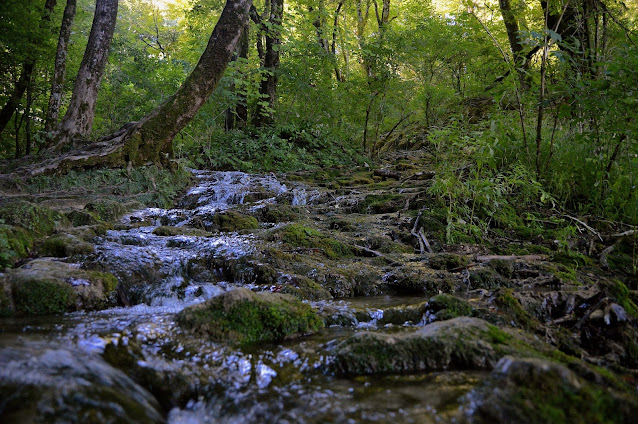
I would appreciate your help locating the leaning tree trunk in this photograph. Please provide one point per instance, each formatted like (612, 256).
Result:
(78, 120)
(268, 88)
(57, 87)
(150, 139)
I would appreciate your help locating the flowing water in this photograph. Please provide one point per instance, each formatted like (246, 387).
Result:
(197, 381)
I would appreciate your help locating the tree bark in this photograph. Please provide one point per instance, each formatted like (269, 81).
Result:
(268, 87)
(78, 120)
(59, 72)
(18, 91)
(511, 25)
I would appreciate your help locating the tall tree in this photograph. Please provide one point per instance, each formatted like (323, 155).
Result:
(78, 120)
(268, 87)
(521, 64)
(57, 86)
(26, 73)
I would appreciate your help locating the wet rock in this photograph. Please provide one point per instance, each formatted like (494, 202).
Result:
(7, 308)
(63, 245)
(506, 302)
(168, 382)
(461, 343)
(168, 231)
(63, 385)
(244, 316)
(540, 391)
(301, 287)
(45, 286)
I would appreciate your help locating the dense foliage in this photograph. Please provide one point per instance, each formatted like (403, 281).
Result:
(360, 78)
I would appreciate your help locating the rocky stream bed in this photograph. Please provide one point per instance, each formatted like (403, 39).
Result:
(291, 299)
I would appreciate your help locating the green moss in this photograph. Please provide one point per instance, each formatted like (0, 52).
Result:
(41, 297)
(63, 245)
(229, 221)
(167, 231)
(109, 281)
(447, 261)
(620, 292)
(301, 236)
(35, 218)
(382, 203)
(15, 243)
(246, 317)
(81, 218)
(6, 300)
(278, 213)
(446, 306)
(571, 258)
(111, 210)
(506, 302)
(497, 336)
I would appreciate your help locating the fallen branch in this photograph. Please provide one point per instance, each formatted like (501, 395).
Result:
(590, 229)
(375, 253)
(386, 173)
(425, 240)
(488, 258)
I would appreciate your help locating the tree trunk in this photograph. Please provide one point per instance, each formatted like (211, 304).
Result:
(150, 139)
(59, 73)
(511, 25)
(268, 87)
(18, 91)
(78, 120)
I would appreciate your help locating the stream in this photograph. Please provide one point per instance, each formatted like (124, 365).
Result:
(133, 363)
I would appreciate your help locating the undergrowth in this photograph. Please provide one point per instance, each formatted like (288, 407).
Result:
(271, 149)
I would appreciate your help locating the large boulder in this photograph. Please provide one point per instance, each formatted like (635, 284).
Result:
(244, 316)
(62, 385)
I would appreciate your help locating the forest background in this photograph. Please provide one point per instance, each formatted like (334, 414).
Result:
(527, 108)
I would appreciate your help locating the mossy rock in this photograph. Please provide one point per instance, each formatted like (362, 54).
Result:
(168, 231)
(229, 221)
(81, 218)
(275, 213)
(303, 288)
(506, 302)
(457, 344)
(15, 243)
(385, 244)
(382, 203)
(243, 316)
(45, 286)
(446, 306)
(37, 219)
(301, 236)
(111, 210)
(624, 257)
(487, 278)
(63, 245)
(446, 261)
(419, 279)
(341, 224)
(620, 293)
(539, 391)
(7, 308)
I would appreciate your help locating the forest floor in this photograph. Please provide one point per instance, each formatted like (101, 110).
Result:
(562, 316)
